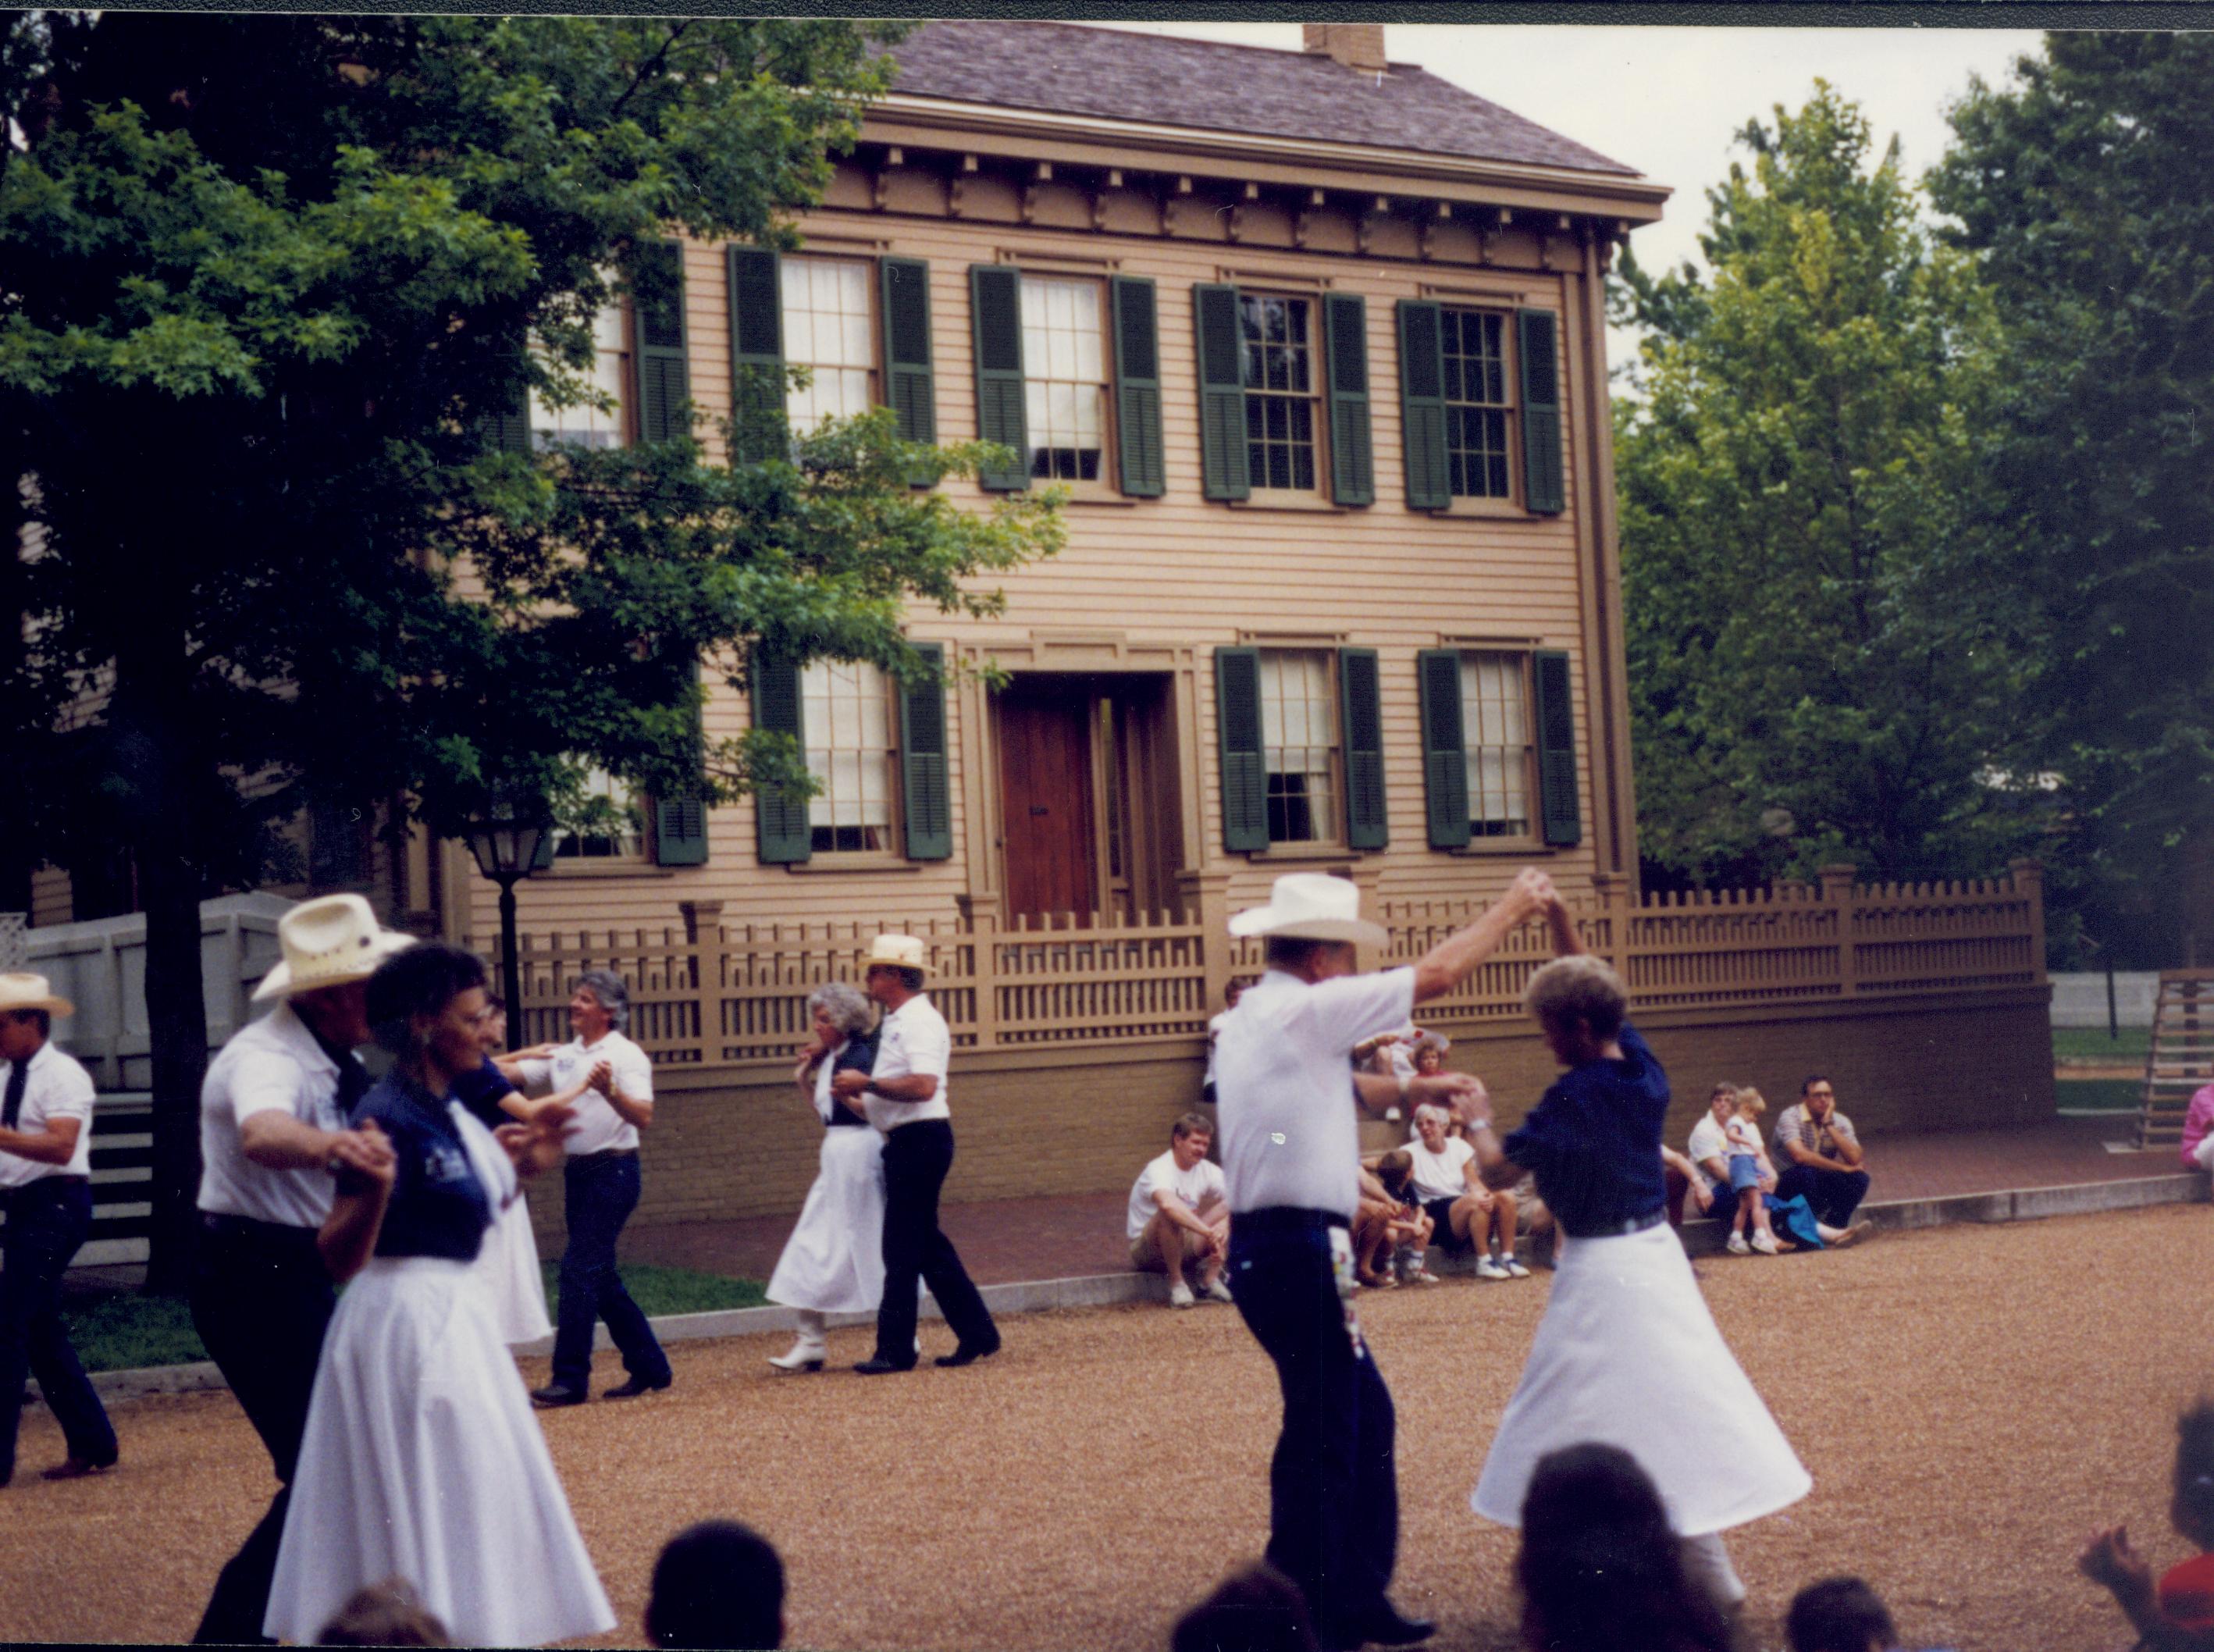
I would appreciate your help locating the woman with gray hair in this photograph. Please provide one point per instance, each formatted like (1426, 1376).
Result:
(833, 1262)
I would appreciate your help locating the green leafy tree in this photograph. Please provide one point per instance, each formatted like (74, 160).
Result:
(270, 283)
(1818, 643)
(2087, 193)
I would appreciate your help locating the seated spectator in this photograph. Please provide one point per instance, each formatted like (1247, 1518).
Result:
(1389, 1223)
(1467, 1216)
(1820, 1157)
(1179, 1214)
(1231, 995)
(1600, 1569)
(1682, 1179)
(2178, 1615)
(389, 1613)
(1708, 1152)
(717, 1583)
(2198, 1131)
(1256, 1609)
(1839, 1614)
(1750, 1171)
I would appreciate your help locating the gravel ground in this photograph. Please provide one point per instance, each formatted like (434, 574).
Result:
(1971, 1401)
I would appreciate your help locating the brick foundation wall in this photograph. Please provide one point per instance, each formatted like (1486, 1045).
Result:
(742, 1142)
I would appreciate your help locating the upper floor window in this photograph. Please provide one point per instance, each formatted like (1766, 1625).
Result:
(614, 827)
(830, 327)
(1477, 404)
(1066, 379)
(1276, 359)
(584, 425)
(851, 754)
(1494, 700)
(1298, 740)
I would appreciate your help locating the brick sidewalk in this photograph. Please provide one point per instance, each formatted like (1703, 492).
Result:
(1008, 1240)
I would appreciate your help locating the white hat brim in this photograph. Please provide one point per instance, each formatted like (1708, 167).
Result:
(1266, 921)
(279, 982)
(50, 1004)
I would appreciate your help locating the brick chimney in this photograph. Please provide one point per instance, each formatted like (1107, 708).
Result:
(1357, 46)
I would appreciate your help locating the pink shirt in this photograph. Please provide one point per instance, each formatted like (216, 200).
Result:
(2196, 1122)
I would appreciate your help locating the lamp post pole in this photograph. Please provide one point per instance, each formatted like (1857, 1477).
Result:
(509, 973)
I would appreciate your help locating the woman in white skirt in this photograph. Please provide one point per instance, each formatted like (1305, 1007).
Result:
(422, 1457)
(833, 1262)
(1627, 1354)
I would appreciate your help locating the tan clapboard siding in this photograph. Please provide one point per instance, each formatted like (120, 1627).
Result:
(1178, 571)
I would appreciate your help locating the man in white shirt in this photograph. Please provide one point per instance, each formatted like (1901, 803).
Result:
(273, 1127)
(1179, 1217)
(600, 1186)
(46, 1188)
(1709, 1151)
(1290, 1146)
(905, 1095)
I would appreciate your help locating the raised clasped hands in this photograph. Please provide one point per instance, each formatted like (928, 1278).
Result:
(849, 1084)
(365, 1149)
(1533, 892)
(602, 1078)
(2109, 1559)
(535, 1146)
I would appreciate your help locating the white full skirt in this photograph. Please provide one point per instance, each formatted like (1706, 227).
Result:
(507, 1266)
(1628, 1356)
(422, 1457)
(833, 1262)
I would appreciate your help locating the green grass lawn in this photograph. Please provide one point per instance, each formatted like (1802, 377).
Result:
(122, 1331)
(2091, 1044)
(2098, 1095)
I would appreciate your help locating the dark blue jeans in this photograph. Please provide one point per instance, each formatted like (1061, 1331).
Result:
(1333, 1484)
(1834, 1194)
(47, 1220)
(916, 1160)
(261, 1301)
(601, 1194)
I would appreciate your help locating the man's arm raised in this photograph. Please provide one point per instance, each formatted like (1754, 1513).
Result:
(1446, 965)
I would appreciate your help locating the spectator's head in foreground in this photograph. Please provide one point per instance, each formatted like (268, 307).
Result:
(1600, 1569)
(1581, 1005)
(1256, 1609)
(1839, 1614)
(717, 1583)
(385, 1614)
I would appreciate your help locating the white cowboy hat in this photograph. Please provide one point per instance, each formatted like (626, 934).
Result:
(327, 943)
(905, 952)
(30, 991)
(1310, 906)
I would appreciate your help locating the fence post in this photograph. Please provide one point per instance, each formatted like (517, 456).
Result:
(2029, 882)
(703, 933)
(1612, 891)
(1837, 895)
(1205, 898)
(979, 921)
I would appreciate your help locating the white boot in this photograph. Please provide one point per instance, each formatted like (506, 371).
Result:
(807, 1353)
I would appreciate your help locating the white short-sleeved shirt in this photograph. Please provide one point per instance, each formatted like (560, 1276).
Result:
(1442, 1174)
(1707, 1141)
(913, 1038)
(1196, 1186)
(273, 1063)
(1283, 1087)
(1744, 1138)
(598, 1128)
(57, 1087)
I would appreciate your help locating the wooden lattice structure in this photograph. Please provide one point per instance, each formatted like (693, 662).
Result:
(2181, 1058)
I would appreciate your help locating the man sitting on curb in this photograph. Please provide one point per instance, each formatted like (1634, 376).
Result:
(1179, 1217)
(1826, 1164)
(1710, 1156)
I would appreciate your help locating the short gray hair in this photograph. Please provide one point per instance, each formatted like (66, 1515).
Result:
(614, 998)
(1578, 987)
(841, 1004)
(1443, 1114)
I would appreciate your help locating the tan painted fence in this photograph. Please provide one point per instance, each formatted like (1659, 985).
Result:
(707, 993)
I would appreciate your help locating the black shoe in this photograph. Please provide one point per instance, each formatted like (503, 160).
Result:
(1388, 1626)
(637, 1386)
(877, 1366)
(76, 1468)
(555, 1395)
(969, 1353)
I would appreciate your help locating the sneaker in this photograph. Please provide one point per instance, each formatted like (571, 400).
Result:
(1765, 1244)
(1487, 1269)
(1219, 1291)
(1180, 1295)
(1514, 1270)
(1737, 1246)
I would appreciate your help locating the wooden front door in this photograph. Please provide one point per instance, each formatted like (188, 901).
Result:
(1047, 804)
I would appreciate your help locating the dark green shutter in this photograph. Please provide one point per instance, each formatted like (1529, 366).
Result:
(1137, 386)
(657, 313)
(1556, 718)
(1543, 487)
(680, 823)
(1422, 404)
(995, 308)
(1221, 393)
(1368, 822)
(544, 857)
(925, 783)
(1352, 458)
(781, 828)
(910, 387)
(1445, 753)
(1245, 764)
(756, 355)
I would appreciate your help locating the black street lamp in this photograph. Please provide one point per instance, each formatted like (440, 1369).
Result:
(505, 844)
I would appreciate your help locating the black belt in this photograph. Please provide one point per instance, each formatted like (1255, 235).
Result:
(37, 1183)
(1615, 1230)
(230, 1226)
(1286, 1219)
(603, 1154)
(845, 1124)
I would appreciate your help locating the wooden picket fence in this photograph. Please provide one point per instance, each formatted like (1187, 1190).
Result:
(737, 993)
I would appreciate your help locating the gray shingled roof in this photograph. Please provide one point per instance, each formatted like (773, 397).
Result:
(1121, 76)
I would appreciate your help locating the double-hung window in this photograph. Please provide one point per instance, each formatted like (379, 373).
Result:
(851, 756)
(1302, 749)
(1499, 747)
(1495, 712)
(1477, 404)
(1065, 384)
(829, 328)
(612, 830)
(1480, 407)
(584, 425)
(1278, 367)
(1299, 739)
(1283, 396)
(1068, 380)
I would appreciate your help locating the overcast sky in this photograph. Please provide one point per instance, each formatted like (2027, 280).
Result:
(1666, 100)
